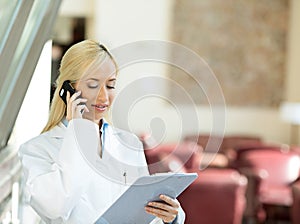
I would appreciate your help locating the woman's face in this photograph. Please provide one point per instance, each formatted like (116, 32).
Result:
(98, 87)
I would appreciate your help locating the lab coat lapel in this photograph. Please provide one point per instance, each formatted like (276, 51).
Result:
(111, 165)
(111, 156)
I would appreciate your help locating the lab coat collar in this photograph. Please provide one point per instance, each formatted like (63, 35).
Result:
(59, 130)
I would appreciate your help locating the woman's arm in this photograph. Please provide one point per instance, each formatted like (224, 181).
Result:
(55, 174)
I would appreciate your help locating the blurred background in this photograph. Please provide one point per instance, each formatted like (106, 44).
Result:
(252, 48)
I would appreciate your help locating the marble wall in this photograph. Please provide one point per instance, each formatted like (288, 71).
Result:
(243, 42)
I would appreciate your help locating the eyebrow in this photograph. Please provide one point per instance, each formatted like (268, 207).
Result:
(94, 79)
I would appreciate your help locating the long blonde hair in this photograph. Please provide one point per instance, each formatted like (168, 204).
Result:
(75, 62)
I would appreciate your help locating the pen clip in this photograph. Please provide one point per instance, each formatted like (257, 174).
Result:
(125, 177)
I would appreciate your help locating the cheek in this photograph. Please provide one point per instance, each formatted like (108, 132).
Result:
(90, 95)
(111, 97)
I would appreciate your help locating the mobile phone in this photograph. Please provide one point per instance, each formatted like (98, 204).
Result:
(66, 86)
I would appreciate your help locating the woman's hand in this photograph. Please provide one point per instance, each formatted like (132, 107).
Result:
(167, 210)
(75, 105)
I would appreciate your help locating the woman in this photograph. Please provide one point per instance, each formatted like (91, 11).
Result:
(60, 184)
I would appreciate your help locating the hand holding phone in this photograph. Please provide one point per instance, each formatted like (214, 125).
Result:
(66, 86)
(80, 106)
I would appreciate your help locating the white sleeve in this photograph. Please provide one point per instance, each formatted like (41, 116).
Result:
(55, 184)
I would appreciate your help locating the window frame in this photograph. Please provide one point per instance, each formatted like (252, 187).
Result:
(14, 80)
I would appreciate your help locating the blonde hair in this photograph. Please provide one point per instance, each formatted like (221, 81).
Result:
(75, 63)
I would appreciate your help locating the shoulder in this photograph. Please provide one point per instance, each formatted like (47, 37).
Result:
(56, 132)
(38, 140)
(33, 147)
(39, 145)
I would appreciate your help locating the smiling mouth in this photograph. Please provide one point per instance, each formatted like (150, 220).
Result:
(100, 107)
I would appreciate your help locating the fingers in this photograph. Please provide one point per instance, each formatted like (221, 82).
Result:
(81, 109)
(74, 96)
(69, 110)
(68, 96)
(79, 102)
(173, 202)
(75, 106)
(164, 215)
(167, 209)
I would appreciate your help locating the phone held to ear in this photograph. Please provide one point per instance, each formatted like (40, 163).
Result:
(66, 86)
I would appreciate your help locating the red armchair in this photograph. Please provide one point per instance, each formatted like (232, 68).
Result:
(227, 142)
(295, 211)
(227, 149)
(275, 170)
(241, 149)
(186, 153)
(217, 196)
(162, 162)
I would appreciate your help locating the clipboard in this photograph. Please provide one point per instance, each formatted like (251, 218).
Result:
(129, 207)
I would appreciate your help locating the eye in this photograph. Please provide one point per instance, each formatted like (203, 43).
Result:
(93, 84)
(110, 87)
(111, 84)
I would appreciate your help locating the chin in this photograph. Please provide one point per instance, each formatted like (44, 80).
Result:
(93, 117)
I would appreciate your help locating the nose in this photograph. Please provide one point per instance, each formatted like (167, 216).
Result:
(103, 95)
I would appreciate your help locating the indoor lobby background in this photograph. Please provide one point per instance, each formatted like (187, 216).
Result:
(116, 23)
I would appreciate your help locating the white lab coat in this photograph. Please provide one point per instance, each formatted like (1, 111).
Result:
(65, 179)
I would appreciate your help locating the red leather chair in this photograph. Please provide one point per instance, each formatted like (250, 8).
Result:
(295, 149)
(295, 211)
(162, 162)
(203, 139)
(276, 170)
(217, 196)
(234, 141)
(228, 146)
(189, 154)
(239, 151)
(227, 142)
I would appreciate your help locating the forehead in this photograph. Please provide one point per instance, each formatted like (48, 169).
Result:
(101, 71)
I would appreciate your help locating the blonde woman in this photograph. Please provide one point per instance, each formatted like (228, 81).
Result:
(60, 184)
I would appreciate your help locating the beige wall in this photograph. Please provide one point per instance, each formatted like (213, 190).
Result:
(118, 22)
(77, 8)
(293, 60)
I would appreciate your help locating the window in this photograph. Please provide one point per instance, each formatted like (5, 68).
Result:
(25, 27)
